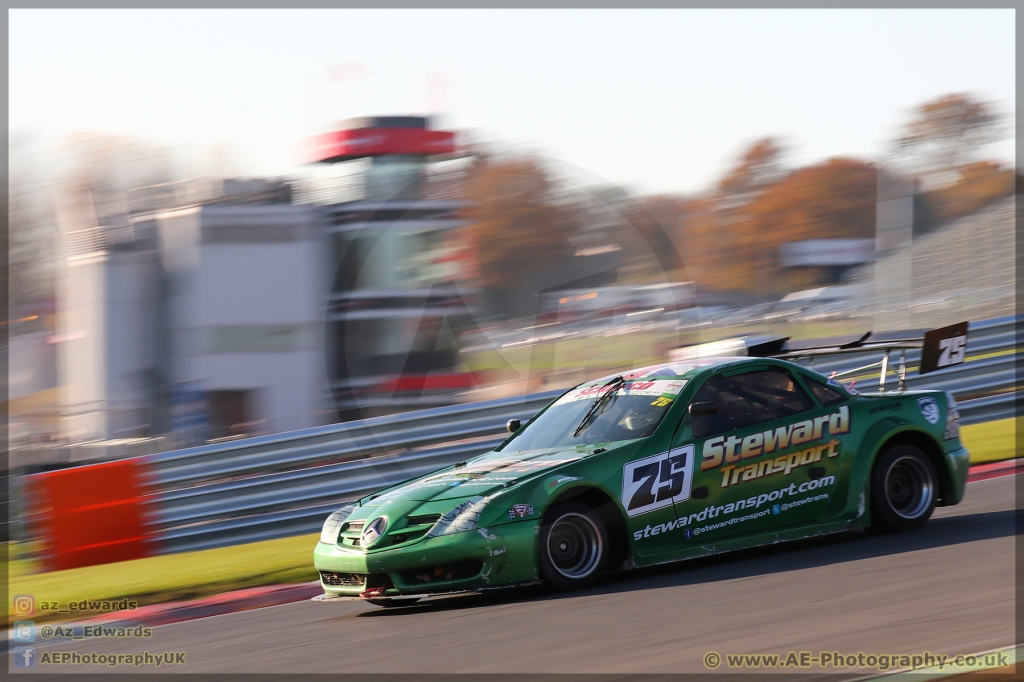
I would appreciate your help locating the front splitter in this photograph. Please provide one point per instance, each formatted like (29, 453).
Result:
(420, 597)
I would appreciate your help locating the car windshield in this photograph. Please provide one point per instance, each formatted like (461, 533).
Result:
(630, 409)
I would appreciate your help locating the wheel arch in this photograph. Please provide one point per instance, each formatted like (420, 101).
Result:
(925, 442)
(598, 499)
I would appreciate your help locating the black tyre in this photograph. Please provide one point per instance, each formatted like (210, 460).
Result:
(573, 546)
(387, 603)
(904, 488)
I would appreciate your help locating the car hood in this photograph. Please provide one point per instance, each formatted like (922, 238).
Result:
(481, 476)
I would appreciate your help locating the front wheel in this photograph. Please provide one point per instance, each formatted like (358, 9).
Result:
(573, 546)
(903, 489)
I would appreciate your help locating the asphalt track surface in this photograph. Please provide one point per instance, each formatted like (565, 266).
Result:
(948, 588)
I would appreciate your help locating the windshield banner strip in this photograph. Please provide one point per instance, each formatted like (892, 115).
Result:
(656, 388)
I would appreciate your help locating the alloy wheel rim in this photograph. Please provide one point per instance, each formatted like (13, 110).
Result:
(574, 546)
(908, 487)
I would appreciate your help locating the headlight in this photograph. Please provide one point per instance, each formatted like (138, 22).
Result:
(952, 419)
(332, 526)
(461, 519)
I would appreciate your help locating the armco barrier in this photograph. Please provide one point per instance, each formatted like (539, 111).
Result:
(92, 514)
(335, 442)
(285, 484)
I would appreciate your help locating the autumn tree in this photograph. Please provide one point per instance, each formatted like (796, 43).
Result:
(831, 200)
(698, 242)
(739, 250)
(640, 229)
(32, 230)
(712, 232)
(107, 166)
(949, 132)
(978, 185)
(519, 226)
(759, 166)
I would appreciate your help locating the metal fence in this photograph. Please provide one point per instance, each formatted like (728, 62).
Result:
(319, 469)
(966, 269)
(285, 484)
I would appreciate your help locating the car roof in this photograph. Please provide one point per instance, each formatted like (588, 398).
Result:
(681, 369)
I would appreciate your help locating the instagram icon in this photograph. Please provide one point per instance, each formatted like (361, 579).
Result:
(24, 604)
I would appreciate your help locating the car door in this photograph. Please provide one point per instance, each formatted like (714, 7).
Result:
(831, 401)
(767, 454)
(653, 486)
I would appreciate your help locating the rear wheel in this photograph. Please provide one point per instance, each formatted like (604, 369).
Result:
(573, 546)
(903, 489)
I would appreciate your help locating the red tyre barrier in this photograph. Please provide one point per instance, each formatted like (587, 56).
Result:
(91, 514)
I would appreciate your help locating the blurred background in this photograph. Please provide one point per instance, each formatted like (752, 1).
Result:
(227, 224)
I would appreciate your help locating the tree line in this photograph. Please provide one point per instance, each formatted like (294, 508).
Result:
(529, 232)
(727, 238)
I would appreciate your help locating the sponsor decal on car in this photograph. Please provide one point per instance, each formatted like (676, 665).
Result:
(751, 505)
(731, 450)
(891, 407)
(783, 464)
(847, 387)
(520, 511)
(657, 481)
(555, 482)
(930, 409)
(657, 388)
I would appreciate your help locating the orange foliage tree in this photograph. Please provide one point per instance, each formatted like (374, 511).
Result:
(729, 244)
(831, 200)
(949, 132)
(518, 226)
(978, 185)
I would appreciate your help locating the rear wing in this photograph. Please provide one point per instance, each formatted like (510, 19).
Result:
(940, 348)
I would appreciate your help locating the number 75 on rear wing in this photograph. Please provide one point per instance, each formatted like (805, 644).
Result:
(940, 348)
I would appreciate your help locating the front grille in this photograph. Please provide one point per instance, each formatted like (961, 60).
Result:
(351, 532)
(342, 579)
(422, 519)
(405, 535)
(415, 528)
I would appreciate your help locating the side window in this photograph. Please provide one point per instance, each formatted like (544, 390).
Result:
(748, 398)
(826, 395)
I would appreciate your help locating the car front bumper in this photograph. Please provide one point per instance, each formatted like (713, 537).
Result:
(486, 557)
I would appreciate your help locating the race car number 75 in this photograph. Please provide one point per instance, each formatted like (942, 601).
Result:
(657, 481)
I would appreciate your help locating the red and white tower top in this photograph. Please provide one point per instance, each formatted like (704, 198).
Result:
(379, 136)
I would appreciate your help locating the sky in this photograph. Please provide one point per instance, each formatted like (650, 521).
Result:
(651, 100)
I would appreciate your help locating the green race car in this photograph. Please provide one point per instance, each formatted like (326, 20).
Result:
(660, 464)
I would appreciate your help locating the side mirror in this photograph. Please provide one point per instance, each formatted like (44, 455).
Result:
(702, 409)
(512, 425)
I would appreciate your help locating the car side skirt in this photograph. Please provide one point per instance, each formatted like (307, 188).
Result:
(759, 540)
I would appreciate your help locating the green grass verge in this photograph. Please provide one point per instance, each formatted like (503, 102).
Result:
(172, 577)
(289, 560)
